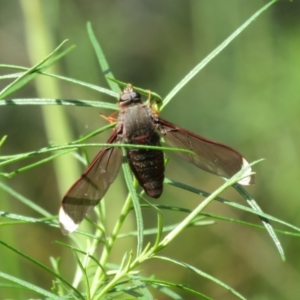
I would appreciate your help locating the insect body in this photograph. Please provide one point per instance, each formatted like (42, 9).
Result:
(137, 124)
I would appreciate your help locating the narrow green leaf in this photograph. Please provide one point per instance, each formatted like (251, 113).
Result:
(213, 54)
(24, 220)
(101, 58)
(136, 205)
(85, 276)
(30, 286)
(203, 274)
(72, 80)
(45, 268)
(64, 102)
(82, 252)
(24, 200)
(265, 221)
(201, 206)
(230, 203)
(40, 162)
(160, 223)
(2, 141)
(142, 287)
(30, 73)
(162, 284)
(6, 160)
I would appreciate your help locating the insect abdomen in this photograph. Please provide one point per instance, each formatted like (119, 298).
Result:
(148, 165)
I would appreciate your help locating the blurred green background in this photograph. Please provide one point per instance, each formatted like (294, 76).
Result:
(248, 97)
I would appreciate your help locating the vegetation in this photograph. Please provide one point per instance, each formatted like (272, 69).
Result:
(133, 247)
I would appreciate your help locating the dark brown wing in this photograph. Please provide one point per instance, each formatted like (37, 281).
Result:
(210, 156)
(90, 188)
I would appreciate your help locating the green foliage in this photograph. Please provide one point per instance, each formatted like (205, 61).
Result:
(100, 274)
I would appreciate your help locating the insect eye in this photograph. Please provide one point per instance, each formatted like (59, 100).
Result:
(135, 96)
(130, 97)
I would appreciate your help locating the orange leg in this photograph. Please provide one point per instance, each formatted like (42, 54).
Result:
(110, 118)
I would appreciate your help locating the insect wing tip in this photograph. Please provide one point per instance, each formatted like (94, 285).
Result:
(67, 225)
(248, 180)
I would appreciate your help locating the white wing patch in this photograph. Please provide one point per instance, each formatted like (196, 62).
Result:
(249, 179)
(67, 225)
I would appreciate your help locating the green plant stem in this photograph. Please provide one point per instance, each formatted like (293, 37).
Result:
(38, 47)
(90, 248)
(147, 254)
(109, 244)
(197, 210)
